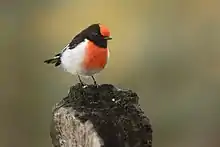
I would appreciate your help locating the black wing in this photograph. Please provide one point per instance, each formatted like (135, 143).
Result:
(74, 42)
(83, 35)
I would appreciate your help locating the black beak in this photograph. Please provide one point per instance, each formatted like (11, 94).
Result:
(107, 38)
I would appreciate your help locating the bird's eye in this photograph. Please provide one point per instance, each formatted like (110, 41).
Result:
(95, 34)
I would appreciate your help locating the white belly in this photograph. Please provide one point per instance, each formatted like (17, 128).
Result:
(72, 59)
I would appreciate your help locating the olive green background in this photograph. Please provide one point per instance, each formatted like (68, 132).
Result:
(166, 51)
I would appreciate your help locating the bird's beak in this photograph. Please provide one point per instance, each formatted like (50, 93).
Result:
(107, 38)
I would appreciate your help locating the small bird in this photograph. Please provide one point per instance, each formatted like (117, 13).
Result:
(86, 54)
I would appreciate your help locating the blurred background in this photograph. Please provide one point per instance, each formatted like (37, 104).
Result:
(166, 51)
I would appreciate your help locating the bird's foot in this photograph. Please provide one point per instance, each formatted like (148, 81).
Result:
(83, 85)
(96, 85)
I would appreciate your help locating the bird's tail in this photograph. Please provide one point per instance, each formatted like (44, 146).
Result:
(55, 60)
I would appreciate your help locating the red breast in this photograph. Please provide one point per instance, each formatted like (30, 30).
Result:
(95, 57)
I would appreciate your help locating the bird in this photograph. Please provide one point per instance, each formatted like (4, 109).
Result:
(87, 53)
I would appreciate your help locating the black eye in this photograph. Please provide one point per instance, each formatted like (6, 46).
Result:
(94, 34)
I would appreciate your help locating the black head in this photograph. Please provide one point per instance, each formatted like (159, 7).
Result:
(97, 33)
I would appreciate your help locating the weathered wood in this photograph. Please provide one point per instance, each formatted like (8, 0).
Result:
(103, 116)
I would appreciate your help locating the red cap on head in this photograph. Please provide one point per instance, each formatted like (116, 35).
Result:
(104, 30)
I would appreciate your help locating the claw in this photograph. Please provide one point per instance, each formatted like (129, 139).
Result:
(84, 86)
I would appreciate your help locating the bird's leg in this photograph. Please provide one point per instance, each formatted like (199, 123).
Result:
(81, 82)
(95, 83)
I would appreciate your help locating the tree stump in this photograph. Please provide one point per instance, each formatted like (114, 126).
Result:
(102, 116)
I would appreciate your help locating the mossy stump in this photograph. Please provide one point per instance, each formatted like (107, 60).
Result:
(102, 116)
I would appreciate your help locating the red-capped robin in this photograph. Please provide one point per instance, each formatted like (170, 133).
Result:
(87, 53)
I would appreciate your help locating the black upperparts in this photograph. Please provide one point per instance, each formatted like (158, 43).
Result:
(91, 33)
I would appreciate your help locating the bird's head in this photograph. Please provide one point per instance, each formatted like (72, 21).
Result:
(97, 32)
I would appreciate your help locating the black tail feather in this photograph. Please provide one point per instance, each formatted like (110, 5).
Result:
(55, 60)
(58, 63)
